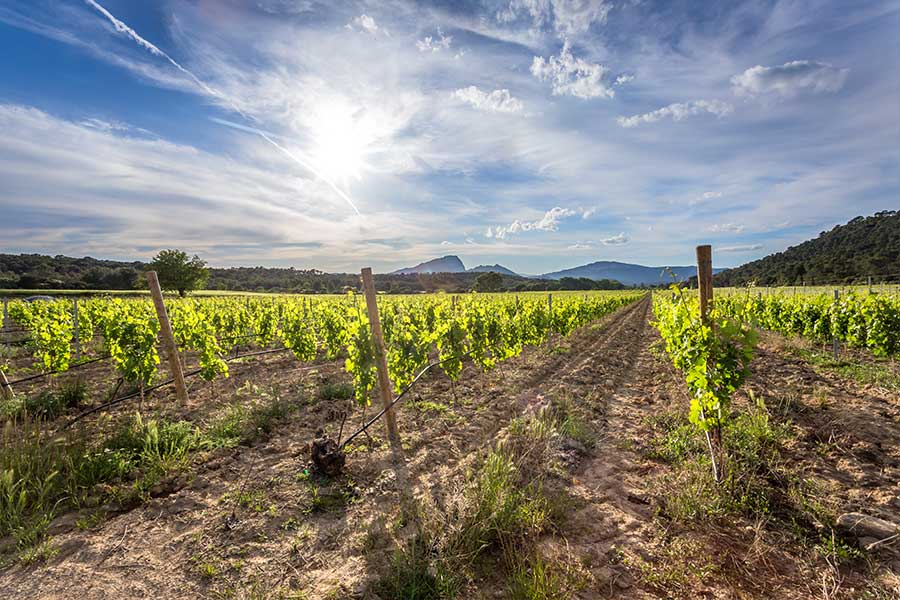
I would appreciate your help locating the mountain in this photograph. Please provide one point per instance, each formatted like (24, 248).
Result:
(495, 268)
(626, 273)
(865, 246)
(444, 264)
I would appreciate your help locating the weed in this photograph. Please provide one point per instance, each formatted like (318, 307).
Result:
(255, 500)
(835, 550)
(208, 570)
(336, 391)
(41, 551)
(91, 521)
(535, 579)
(675, 572)
(413, 576)
(427, 406)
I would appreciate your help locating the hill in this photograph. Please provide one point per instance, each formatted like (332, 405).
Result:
(628, 274)
(493, 268)
(445, 264)
(849, 253)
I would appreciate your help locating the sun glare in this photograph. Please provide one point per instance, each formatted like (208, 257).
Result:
(341, 142)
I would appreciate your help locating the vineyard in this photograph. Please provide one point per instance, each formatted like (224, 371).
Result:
(486, 329)
(573, 445)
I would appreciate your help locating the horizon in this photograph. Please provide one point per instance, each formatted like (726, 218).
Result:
(536, 136)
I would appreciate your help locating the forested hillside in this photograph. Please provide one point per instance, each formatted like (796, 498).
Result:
(850, 253)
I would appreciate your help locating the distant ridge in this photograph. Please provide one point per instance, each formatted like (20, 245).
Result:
(626, 273)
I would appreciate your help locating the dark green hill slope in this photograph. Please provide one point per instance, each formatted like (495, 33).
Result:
(866, 246)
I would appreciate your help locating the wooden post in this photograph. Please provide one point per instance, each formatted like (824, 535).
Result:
(834, 339)
(704, 280)
(6, 333)
(384, 382)
(7, 389)
(75, 332)
(168, 339)
(550, 303)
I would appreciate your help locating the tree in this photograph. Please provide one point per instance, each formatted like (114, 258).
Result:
(488, 282)
(178, 272)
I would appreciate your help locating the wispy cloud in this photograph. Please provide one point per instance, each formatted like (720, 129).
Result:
(738, 249)
(678, 112)
(565, 17)
(727, 228)
(434, 44)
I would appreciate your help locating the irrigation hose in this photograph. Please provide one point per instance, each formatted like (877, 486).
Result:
(75, 366)
(115, 401)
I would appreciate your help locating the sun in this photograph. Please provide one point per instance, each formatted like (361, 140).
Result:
(341, 141)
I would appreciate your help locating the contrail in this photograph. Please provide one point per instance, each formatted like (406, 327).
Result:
(121, 27)
(290, 154)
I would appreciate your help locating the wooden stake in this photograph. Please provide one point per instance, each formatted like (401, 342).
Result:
(6, 320)
(384, 382)
(704, 286)
(75, 331)
(168, 339)
(7, 389)
(834, 339)
(704, 280)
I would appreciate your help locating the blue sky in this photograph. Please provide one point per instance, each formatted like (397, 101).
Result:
(540, 134)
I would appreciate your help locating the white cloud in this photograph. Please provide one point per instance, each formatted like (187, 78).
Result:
(624, 78)
(678, 112)
(727, 228)
(549, 222)
(745, 248)
(569, 75)
(432, 44)
(711, 195)
(365, 23)
(496, 101)
(587, 213)
(790, 79)
(446, 243)
(616, 240)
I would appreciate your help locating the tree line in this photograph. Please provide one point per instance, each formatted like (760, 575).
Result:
(180, 272)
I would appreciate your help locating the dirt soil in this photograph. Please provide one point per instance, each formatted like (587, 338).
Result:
(256, 522)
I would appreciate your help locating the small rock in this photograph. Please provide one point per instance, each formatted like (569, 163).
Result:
(864, 542)
(63, 523)
(622, 583)
(570, 444)
(860, 526)
(360, 589)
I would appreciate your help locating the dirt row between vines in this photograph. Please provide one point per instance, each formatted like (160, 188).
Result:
(291, 531)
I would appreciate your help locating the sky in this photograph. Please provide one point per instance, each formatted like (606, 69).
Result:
(538, 134)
